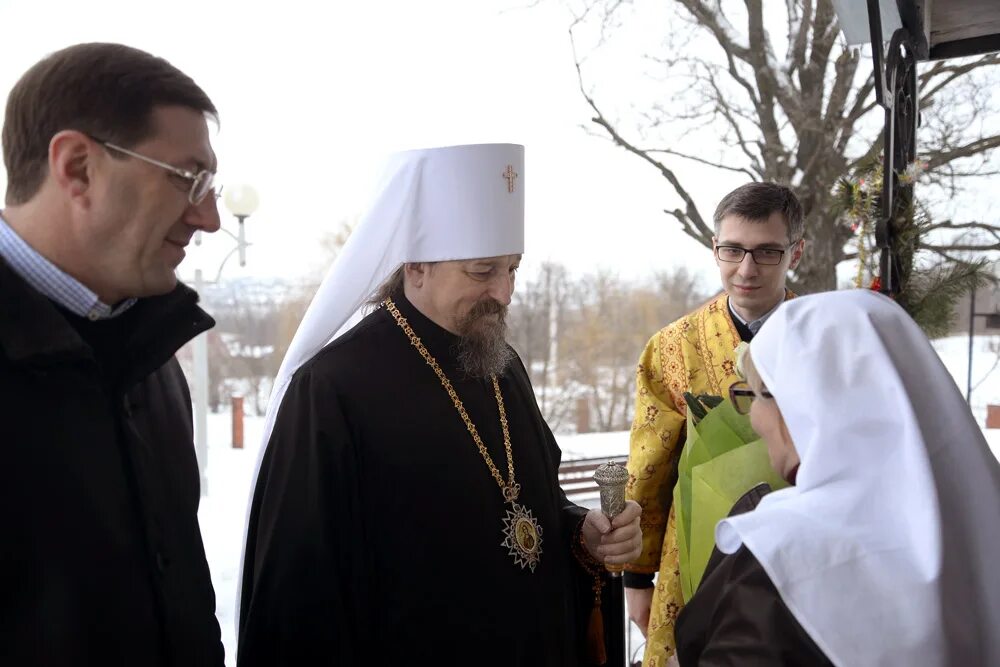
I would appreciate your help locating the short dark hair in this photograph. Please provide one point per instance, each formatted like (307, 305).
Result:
(104, 90)
(757, 201)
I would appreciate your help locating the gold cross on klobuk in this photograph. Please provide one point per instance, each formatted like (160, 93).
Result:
(511, 176)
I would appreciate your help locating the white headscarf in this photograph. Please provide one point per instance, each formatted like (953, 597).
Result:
(430, 205)
(887, 549)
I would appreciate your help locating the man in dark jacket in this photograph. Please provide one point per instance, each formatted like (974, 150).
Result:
(110, 172)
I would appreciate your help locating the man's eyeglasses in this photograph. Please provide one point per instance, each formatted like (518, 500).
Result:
(741, 396)
(765, 256)
(201, 182)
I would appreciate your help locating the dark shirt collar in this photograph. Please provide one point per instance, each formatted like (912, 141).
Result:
(747, 330)
(741, 327)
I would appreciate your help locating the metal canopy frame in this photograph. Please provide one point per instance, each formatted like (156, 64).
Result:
(957, 28)
(896, 91)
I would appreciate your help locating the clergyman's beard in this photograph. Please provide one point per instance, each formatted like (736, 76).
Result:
(483, 349)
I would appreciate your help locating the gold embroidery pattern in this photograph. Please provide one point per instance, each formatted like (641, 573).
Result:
(672, 361)
(666, 600)
(653, 440)
(703, 325)
(688, 355)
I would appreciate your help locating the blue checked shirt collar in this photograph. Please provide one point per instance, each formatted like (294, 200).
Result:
(50, 280)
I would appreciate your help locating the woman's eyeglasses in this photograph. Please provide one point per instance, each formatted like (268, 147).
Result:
(741, 396)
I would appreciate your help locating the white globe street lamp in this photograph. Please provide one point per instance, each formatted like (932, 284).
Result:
(242, 202)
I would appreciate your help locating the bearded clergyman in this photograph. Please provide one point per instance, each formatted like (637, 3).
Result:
(406, 508)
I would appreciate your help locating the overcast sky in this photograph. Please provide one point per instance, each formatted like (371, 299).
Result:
(312, 95)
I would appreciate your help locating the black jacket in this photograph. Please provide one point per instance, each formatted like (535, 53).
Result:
(101, 558)
(737, 617)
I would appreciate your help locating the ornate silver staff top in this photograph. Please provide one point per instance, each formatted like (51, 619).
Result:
(611, 478)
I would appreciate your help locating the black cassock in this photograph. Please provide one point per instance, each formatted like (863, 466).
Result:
(376, 527)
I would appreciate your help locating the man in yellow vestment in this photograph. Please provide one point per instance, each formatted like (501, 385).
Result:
(758, 239)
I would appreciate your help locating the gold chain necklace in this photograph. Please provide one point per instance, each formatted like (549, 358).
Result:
(523, 535)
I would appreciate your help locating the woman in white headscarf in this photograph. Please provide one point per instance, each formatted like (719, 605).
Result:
(886, 549)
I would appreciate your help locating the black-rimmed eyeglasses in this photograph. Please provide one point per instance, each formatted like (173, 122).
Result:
(741, 396)
(201, 182)
(735, 254)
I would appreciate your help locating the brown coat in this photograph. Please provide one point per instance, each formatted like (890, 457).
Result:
(737, 616)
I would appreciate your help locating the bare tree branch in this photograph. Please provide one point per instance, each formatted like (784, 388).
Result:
(948, 224)
(956, 173)
(695, 158)
(809, 119)
(864, 102)
(970, 247)
(688, 228)
(930, 85)
(713, 19)
(978, 146)
(728, 113)
(943, 253)
(824, 38)
(798, 34)
(693, 216)
(610, 11)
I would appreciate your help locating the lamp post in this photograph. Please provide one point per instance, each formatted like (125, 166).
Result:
(992, 322)
(242, 202)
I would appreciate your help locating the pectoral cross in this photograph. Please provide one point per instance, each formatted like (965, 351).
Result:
(511, 176)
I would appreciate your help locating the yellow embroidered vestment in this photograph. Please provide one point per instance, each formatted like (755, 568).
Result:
(696, 354)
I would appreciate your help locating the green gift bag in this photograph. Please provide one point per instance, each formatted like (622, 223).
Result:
(722, 459)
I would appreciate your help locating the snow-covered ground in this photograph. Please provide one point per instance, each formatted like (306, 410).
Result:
(223, 509)
(223, 514)
(954, 352)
